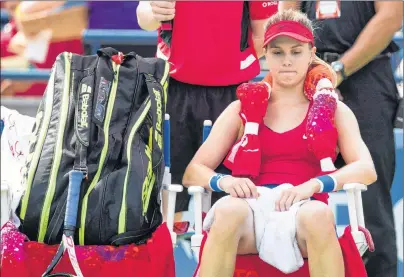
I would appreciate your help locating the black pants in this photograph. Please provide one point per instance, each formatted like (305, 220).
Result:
(372, 95)
(188, 106)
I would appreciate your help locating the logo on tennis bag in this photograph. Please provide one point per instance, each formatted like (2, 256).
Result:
(157, 134)
(84, 107)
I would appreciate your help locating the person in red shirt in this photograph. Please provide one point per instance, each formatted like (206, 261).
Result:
(212, 48)
(290, 52)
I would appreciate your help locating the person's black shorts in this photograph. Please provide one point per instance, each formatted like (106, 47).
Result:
(188, 106)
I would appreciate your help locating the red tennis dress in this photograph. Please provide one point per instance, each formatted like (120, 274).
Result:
(286, 158)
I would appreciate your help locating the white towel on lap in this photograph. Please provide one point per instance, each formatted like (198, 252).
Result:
(275, 232)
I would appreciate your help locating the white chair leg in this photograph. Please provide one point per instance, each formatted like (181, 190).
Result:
(169, 197)
(196, 239)
(206, 201)
(352, 210)
(172, 194)
(164, 192)
(356, 218)
(198, 212)
(359, 208)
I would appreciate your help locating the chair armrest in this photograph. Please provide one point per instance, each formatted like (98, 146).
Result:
(173, 188)
(196, 189)
(355, 186)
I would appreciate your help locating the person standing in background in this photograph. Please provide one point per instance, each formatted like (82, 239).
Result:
(208, 61)
(355, 37)
(37, 52)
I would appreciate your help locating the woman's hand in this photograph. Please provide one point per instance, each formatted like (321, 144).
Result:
(239, 187)
(293, 195)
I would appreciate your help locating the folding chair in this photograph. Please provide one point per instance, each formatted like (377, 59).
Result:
(355, 238)
(154, 258)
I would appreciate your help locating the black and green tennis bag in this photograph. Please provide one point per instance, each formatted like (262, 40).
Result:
(112, 106)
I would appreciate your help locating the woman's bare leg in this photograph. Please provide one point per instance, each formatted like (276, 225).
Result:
(318, 240)
(232, 232)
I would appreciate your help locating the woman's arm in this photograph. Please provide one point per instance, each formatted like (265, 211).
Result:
(212, 152)
(359, 166)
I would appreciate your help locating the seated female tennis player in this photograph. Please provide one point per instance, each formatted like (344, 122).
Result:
(285, 158)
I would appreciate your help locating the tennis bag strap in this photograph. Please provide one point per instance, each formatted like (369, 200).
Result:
(82, 127)
(158, 111)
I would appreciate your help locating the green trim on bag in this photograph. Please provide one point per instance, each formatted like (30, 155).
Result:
(164, 82)
(150, 177)
(111, 102)
(58, 151)
(39, 144)
(135, 128)
(149, 180)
